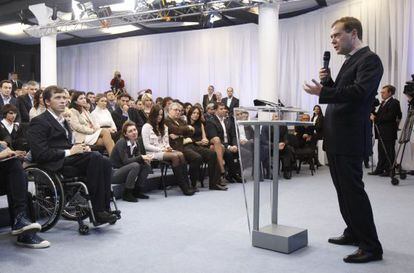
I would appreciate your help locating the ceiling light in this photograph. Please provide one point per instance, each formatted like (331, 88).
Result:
(119, 29)
(127, 5)
(13, 29)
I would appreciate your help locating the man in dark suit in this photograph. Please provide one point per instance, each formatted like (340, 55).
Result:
(6, 97)
(347, 134)
(386, 120)
(123, 113)
(25, 102)
(220, 131)
(230, 101)
(50, 139)
(208, 98)
(16, 84)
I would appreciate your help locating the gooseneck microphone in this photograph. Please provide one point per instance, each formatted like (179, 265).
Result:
(326, 59)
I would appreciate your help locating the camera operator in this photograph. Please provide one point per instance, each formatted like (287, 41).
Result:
(117, 84)
(386, 121)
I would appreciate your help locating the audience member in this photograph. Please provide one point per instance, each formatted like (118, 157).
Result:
(16, 83)
(159, 100)
(101, 115)
(147, 104)
(38, 105)
(210, 111)
(123, 113)
(111, 100)
(92, 100)
(230, 101)
(5, 95)
(156, 142)
(85, 130)
(50, 138)
(132, 165)
(117, 84)
(8, 126)
(210, 97)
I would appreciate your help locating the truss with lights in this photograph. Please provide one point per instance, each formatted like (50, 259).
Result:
(144, 13)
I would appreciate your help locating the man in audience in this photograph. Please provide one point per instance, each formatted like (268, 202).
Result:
(230, 101)
(16, 84)
(50, 139)
(111, 99)
(14, 184)
(5, 94)
(210, 97)
(219, 96)
(25, 90)
(386, 120)
(123, 113)
(210, 110)
(220, 132)
(25, 102)
(92, 98)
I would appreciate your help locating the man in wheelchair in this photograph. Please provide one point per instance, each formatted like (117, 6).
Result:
(51, 143)
(14, 184)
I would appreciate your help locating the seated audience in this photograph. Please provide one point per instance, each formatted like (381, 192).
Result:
(38, 105)
(230, 101)
(219, 96)
(305, 134)
(138, 105)
(123, 113)
(210, 97)
(50, 139)
(14, 184)
(5, 95)
(222, 136)
(8, 126)
(111, 100)
(132, 166)
(210, 111)
(85, 130)
(201, 144)
(159, 100)
(90, 96)
(317, 119)
(26, 102)
(147, 104)
(156, 142)
(101, 114)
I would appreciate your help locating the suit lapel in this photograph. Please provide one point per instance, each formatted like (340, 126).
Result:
(348, 63)
(57, 125)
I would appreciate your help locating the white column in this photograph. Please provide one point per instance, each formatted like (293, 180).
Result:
(48, 64)
(268, 51)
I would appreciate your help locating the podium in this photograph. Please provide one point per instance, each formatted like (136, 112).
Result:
(274, 237)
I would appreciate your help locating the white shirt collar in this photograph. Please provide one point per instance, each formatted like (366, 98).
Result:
(60, 119)
(8, 126)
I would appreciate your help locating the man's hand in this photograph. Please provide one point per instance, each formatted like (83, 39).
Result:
(77, 149)
(147, 159)
(372, 117)
(324, 73)
(6, 153)
(168, 149)
(313, 89)
(20, 154)
(282, 145)
(204, 141)
(243, 141)
(173, 136)
(125, 109)
(233, 149)
(3, 144)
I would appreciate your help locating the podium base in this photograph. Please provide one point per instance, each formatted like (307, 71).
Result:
(280, 238)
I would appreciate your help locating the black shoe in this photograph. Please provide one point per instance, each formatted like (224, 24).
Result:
(343, 240)
(287, 174)
(366, 165)
(22, 225)
(140, 195)
(32, 240)
(237, 178)
(361, 256)
(230, 179)
(128, 195)
(376, 172)
(103, 217)
(218, 187)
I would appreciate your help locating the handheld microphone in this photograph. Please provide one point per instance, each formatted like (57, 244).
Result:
(326, 59)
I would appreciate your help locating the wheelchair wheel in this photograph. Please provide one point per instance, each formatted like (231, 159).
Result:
(76, 204)
(46, 197)
(83, 230)
(395, 181)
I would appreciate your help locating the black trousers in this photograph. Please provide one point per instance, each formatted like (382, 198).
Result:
(232, 162)
(195, 155)
(383, 163)
(14, 182)
(98, 172)
(354, 204)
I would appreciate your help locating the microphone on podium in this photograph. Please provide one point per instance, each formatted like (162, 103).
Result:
(326, 59)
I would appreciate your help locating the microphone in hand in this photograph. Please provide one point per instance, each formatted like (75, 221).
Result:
(325, 73)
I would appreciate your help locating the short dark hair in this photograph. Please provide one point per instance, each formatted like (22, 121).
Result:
(4, 81)
(124, 95)
(90, 93)
(350, 23)
(50, 90)
(165, 100)
(8, 108)
(390, 88)
(106, 92)
(218, 104)
(125, 126)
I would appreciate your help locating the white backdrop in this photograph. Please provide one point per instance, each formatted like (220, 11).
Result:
(183, 64)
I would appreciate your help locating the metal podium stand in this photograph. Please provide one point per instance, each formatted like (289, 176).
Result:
(275, 237)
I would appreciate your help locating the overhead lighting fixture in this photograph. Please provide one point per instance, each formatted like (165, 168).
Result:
(13, 29)
(128, 5)
(119, 29)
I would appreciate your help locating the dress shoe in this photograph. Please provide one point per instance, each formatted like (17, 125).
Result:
(230, 179)
(376, 172)
(140, 195)
(103, 217)
(237, 178)
(287, 174)
(195, 189)
(361, 256)
(343, 240)
(128, 195)
(218, 187)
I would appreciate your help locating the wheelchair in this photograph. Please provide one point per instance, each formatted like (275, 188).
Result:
(61, 194)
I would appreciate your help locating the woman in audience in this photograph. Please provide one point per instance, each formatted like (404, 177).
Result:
(132, 166)
(156, 143)
(139, 105)
(101, 114)
(147, 104)
(85, 130)
(317, 118)
(199, 139)
(38, 105)
(8, 126)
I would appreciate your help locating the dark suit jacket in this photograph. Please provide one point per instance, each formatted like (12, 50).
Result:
(387, 119)
(24, 104)
(6, 136)
(214, 129)
(133, 114)
(16, 85)
(181, 129)
(206, 101)
(319, 127)
(48, 141)
(13, 101)
(234, 103)
(121, 154)
(347, 127)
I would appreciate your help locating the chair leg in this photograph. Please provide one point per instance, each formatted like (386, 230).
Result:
(163, 174)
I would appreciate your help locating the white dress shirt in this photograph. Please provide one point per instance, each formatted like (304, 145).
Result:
(223, 125)
(8, 126)
(61, 121)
